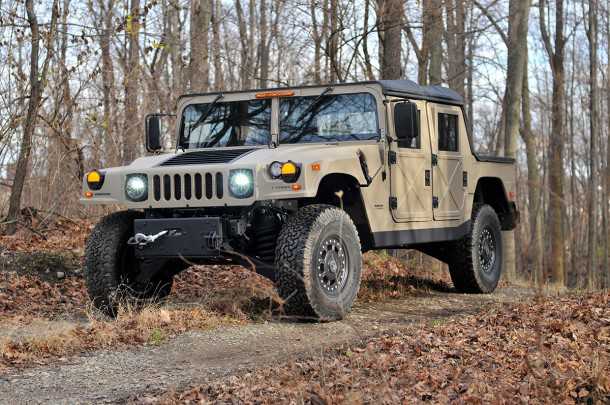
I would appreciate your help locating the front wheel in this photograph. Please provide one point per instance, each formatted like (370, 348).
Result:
(112, 270)
(477, 260)
(318, 263)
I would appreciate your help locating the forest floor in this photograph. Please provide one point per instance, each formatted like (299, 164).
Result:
(219, 338)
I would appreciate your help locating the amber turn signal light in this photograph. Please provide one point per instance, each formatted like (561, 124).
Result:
(290, 172)
(296, 187)
(88, 194)
(95, 180)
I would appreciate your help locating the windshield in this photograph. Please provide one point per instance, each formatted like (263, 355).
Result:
(236, 123)
(329, 118)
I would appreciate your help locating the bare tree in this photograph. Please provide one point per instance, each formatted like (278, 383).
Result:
(556, 55)
(37, 81)
(433, 36)
(131, 79)
(199, 71)
(455, 37)
(391, 25)
(216, 48)
(534, 183)
(591, 31)
(516, 63)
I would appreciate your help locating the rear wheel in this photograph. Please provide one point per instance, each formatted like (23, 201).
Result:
(318, 263)
(113, 273)
(477, 258)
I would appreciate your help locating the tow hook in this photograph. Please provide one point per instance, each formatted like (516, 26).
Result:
(140, 239)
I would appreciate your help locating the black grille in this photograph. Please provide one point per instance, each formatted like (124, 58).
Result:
(180, 187)
(206, 157)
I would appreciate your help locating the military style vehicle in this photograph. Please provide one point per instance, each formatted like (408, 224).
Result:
(298, 182)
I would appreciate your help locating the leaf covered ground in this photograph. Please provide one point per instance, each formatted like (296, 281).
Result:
(45, 313)
(551, 350)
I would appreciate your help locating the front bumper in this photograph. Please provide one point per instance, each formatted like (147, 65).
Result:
(185, 237)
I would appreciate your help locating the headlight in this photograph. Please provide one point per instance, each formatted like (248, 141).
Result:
(241, 183)
(136, 187)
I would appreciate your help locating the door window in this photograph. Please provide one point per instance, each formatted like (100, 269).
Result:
(448, 132)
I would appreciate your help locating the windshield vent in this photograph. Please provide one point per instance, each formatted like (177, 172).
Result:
(206, 157)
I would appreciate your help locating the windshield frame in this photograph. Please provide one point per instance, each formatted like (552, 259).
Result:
(306, 91)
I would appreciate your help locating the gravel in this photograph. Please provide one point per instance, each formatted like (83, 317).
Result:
(197, 357)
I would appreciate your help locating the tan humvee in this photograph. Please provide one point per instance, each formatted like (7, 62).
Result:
(299, 182)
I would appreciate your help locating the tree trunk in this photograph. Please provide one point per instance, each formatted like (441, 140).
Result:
(593, 145)
(37, 82)
(199, 70)
(536, 241)
(317, 42)
(245, 67)
(455, 37)
(333, 42)
(606, 204)
(556, 141)
(365, 42)
(433, 27)
(263, 45)
(132, 77)
(218, 76)
(517, 51)
(107, 142)
(391, 21)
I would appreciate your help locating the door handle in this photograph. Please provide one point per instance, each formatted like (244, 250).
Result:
(427, 178)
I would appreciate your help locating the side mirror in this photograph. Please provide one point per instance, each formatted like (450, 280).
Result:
(406, 123)
(153, 133)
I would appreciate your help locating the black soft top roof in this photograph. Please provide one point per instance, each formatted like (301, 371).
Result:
(410, 89)
(398, 88)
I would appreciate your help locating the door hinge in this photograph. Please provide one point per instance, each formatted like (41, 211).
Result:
(393, 203)
(434, 202)
(434, 159)
(392, 157)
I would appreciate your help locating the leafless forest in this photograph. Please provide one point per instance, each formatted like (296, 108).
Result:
(78, 77)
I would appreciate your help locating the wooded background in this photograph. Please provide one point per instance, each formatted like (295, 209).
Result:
(77, 78)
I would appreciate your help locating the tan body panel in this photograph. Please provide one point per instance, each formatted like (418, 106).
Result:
(404, 180)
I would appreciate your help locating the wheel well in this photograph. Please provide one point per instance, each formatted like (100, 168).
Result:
(343, 190)
(490, 190)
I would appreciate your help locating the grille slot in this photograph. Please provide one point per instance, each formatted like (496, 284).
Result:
(187, 186)
(167, 187)
(208, 186)
(178, 187)
(219, 185)
(198, 187)
(206, 157)
(157, 187)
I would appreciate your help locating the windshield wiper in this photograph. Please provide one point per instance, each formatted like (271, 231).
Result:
(314, 103)
(204, 116)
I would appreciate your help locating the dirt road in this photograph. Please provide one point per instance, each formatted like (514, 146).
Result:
(114, 376)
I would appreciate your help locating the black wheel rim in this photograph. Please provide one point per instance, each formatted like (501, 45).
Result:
(487, 250)
(332, 265)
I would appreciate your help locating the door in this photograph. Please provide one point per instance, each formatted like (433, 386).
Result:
(448, 188)
(410, 172)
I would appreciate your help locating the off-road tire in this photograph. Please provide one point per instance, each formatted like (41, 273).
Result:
(299, 245)
(105, 270)
(465, 267)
